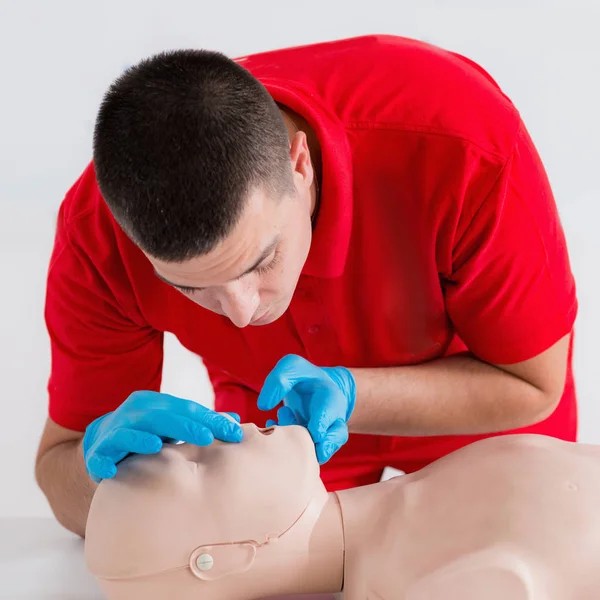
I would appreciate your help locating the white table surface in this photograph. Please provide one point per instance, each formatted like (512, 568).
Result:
(39, 560)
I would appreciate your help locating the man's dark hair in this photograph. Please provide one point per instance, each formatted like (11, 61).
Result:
(180, 140)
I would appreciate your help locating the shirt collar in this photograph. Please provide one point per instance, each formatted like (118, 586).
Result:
(331, 236)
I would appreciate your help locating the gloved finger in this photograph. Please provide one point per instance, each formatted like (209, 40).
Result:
(271, 423)
(286, 416)
(221, 426)
(116, 445)
(234, 416)
(164, 423)
(336, 437)
(324, 410)
(100, 467)
(289, 371)
(323, 455)
(124, 441)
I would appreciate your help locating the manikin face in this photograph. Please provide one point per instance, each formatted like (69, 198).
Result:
(159, 508)
(250, 277)
(273, 470)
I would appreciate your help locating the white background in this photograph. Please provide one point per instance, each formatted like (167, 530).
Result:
(57, 58)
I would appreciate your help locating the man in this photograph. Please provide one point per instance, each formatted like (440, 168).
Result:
(362, 229)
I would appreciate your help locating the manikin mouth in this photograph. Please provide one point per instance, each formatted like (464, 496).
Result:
(266, 430)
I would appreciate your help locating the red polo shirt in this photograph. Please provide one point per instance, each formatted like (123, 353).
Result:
(437, 233)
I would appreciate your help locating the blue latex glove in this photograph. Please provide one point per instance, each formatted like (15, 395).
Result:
(143, 422)
(318, 398)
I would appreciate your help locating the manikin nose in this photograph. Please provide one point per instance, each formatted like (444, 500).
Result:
(239, 304)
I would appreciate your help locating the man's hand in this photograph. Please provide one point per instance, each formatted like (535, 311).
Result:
(143, 422)
(320, 399)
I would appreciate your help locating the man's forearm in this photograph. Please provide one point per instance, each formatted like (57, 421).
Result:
(61, 475)
(449, 396)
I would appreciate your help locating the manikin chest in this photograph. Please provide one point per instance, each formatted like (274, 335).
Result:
(470, 529)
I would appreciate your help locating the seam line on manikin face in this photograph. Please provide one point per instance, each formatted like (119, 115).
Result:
(306, 511)
(337, 499)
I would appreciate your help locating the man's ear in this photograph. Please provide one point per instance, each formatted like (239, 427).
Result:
(210, 563)
(300, 157)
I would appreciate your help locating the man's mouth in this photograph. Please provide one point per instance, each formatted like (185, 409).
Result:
(260, 319)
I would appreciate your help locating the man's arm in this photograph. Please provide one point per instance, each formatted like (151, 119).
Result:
(99, 355)
(509, 294)
(61, 474)
(459, 395)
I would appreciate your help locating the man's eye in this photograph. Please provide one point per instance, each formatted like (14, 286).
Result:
(270, 265)
(187, 290)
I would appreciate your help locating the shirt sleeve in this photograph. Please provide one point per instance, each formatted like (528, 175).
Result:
(511, 294)
(99, 354)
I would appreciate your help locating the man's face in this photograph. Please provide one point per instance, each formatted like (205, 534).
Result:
(251, 276)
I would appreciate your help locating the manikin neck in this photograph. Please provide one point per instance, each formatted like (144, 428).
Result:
(308, 559)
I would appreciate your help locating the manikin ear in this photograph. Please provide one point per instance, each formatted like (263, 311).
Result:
(210, 563)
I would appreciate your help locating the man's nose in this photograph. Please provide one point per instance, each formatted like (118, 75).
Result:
(239, 303)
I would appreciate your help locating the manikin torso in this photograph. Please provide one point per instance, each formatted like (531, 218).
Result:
(511, 517)
(507, 518)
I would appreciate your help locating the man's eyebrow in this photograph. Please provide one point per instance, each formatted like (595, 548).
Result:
(255, 266)
(262, 257)
(159, 276)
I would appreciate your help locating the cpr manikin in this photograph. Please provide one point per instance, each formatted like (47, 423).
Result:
(511, 517)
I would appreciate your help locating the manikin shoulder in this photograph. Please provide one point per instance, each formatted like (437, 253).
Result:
(516, 511)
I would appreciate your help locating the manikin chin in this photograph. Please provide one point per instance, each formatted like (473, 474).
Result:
(512, 517)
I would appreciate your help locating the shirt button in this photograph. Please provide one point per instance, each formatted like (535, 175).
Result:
(313, 329)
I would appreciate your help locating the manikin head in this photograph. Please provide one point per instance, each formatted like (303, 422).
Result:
(155, 528)
(213, 182)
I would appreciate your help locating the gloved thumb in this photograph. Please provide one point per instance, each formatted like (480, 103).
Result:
(336, 437)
